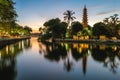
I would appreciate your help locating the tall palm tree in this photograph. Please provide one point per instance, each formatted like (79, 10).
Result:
(114, 19)
(69, 17)
(106, 20)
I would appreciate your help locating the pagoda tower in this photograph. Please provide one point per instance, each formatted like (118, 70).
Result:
(85, 18)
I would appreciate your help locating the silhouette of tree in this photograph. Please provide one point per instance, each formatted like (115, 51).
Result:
(27, 30)
(68, 65)
(56, 28)
(101, 29)
(76, 27)
(69, 17)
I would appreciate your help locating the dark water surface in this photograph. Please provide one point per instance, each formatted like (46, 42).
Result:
(32, 60)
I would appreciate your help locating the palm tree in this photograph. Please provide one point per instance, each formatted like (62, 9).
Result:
(114, 19)
(69, 17)
(106, 20)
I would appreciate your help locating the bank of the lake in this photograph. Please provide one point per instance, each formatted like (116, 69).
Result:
(90, 41)
(7, 41)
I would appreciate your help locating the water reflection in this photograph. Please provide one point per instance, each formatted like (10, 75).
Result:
(70, 54)
(109, 56)
(8, 56)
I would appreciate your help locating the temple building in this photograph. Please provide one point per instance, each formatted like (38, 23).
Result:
(85, 17)
(80, 35)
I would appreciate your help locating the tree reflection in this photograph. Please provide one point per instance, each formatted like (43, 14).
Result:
(68, 65)
(99, 54)
(76, 52)
(8, 60)
(55, 52)
(27, 44)
(108, 55)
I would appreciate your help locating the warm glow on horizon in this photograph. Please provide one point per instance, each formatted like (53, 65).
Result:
(35, 30)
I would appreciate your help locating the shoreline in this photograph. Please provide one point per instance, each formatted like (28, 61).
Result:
(7, 41)
(90, 41)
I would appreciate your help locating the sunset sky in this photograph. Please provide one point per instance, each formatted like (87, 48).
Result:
(35, 12)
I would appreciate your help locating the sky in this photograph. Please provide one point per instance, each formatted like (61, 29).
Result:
(34, 13)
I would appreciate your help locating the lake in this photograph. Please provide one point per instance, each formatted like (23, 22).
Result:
(33, 60)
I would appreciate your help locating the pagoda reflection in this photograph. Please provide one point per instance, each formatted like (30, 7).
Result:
(108, 55)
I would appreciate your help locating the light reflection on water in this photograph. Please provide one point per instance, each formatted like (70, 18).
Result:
(32, 60)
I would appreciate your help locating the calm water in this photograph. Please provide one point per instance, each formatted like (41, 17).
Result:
(32, 60)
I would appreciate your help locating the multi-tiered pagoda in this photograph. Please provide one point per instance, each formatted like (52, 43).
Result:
(85, 18)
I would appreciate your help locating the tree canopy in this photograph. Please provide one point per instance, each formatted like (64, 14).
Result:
(76, 27)
(100, 29)
(8, 15)
(56, 28)
(68, 16)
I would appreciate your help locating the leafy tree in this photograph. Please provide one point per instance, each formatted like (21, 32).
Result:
(118, 30)
(42, 30)
(114, 19)
(106, 20)
(7, 15)
(76, 27)
(111, 23)
(56, 28)
(28, 30)
(101, 29)
(86, 32)
(7, 12)
(63, 29)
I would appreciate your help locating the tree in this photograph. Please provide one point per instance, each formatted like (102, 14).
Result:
(69, 17)
(114, 19)
(101, 29)
(106, 21)
(111, 23)
(56, 28)
(118, 30)
(7, 14)
(28, 30)
(86, 32)
(63, 29)
(76, 27)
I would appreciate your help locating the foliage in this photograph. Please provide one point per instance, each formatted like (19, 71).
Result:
(28, 30)
(76, 27)
(84, 32)
(101, 29)
(112, 23)
(7, 12)
(56, 28)
(69, 16)
(8, 25)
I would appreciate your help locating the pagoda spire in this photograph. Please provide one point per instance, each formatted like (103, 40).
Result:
(85, 17)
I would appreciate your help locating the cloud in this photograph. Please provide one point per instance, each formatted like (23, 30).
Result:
(95, 7)
(107, 12)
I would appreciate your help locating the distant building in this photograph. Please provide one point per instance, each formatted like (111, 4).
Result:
(85, 18)
(85, 25)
